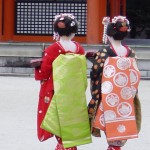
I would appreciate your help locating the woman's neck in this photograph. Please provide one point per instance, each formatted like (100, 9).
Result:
(119, 49)
(67, 44)
(115, 43)
(65, 38)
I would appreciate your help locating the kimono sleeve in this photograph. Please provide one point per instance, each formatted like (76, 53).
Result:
(44, 72)
(81, 50)
(97, 67)
(95, 76)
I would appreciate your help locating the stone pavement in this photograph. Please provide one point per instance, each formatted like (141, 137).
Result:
(18, 104)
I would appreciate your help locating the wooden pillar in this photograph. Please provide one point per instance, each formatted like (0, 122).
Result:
(1, 16)
(8, 25)
(124, 7)
(96, 10)
(114, 8)
(103, 13)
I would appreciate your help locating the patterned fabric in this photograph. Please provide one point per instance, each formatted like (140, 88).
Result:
(42, 109)
(67, 115)
(44, 74)
(96, 76)
(116, 115)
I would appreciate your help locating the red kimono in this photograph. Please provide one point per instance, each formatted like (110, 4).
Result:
(45, 75)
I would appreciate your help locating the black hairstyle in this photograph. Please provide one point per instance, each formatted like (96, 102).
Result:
(67, 25)
(113, 29)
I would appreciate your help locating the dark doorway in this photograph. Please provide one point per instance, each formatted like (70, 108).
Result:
(138, 13)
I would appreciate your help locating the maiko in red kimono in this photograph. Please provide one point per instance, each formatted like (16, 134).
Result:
(44, 74)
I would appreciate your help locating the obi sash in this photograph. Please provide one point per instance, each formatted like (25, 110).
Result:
(115, 114)
(67, 115)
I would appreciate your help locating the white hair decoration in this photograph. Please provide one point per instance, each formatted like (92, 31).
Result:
(72, 24)
(105, 22)
(121, 18)
(61, 17)
(56, 36)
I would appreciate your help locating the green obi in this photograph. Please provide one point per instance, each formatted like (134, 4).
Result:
(67, 115)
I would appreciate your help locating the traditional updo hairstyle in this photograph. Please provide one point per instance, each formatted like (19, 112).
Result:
(118, 28)
(65, 25)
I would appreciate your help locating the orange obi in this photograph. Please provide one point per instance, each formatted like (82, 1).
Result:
(115, 114)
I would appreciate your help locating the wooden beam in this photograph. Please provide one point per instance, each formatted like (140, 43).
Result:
(103, 13)
(1, 19)
(96, 10)
(124, 7)
(114, 8)
(9, 14)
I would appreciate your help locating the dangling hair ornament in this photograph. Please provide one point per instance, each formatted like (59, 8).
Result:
(56, 36)
(105, 22)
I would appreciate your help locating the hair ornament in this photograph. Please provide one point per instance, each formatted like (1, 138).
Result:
(61, 25)
(124, 21)
(72, 24)
(105, 22)
(61, 16)
(56, 36)
(60, 19)
(121, 19)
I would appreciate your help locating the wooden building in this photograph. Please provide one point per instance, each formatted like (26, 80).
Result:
(32, 20)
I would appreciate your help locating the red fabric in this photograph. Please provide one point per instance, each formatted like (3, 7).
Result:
(60, 145)
(44, 74)
(50, 54)
(42, 108)
(114, 148)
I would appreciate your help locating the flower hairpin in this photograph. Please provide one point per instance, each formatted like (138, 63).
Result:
(106, 20)
(72, 24)
(124, 21)
(121, 18)
(61, 16)
(61, 24)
